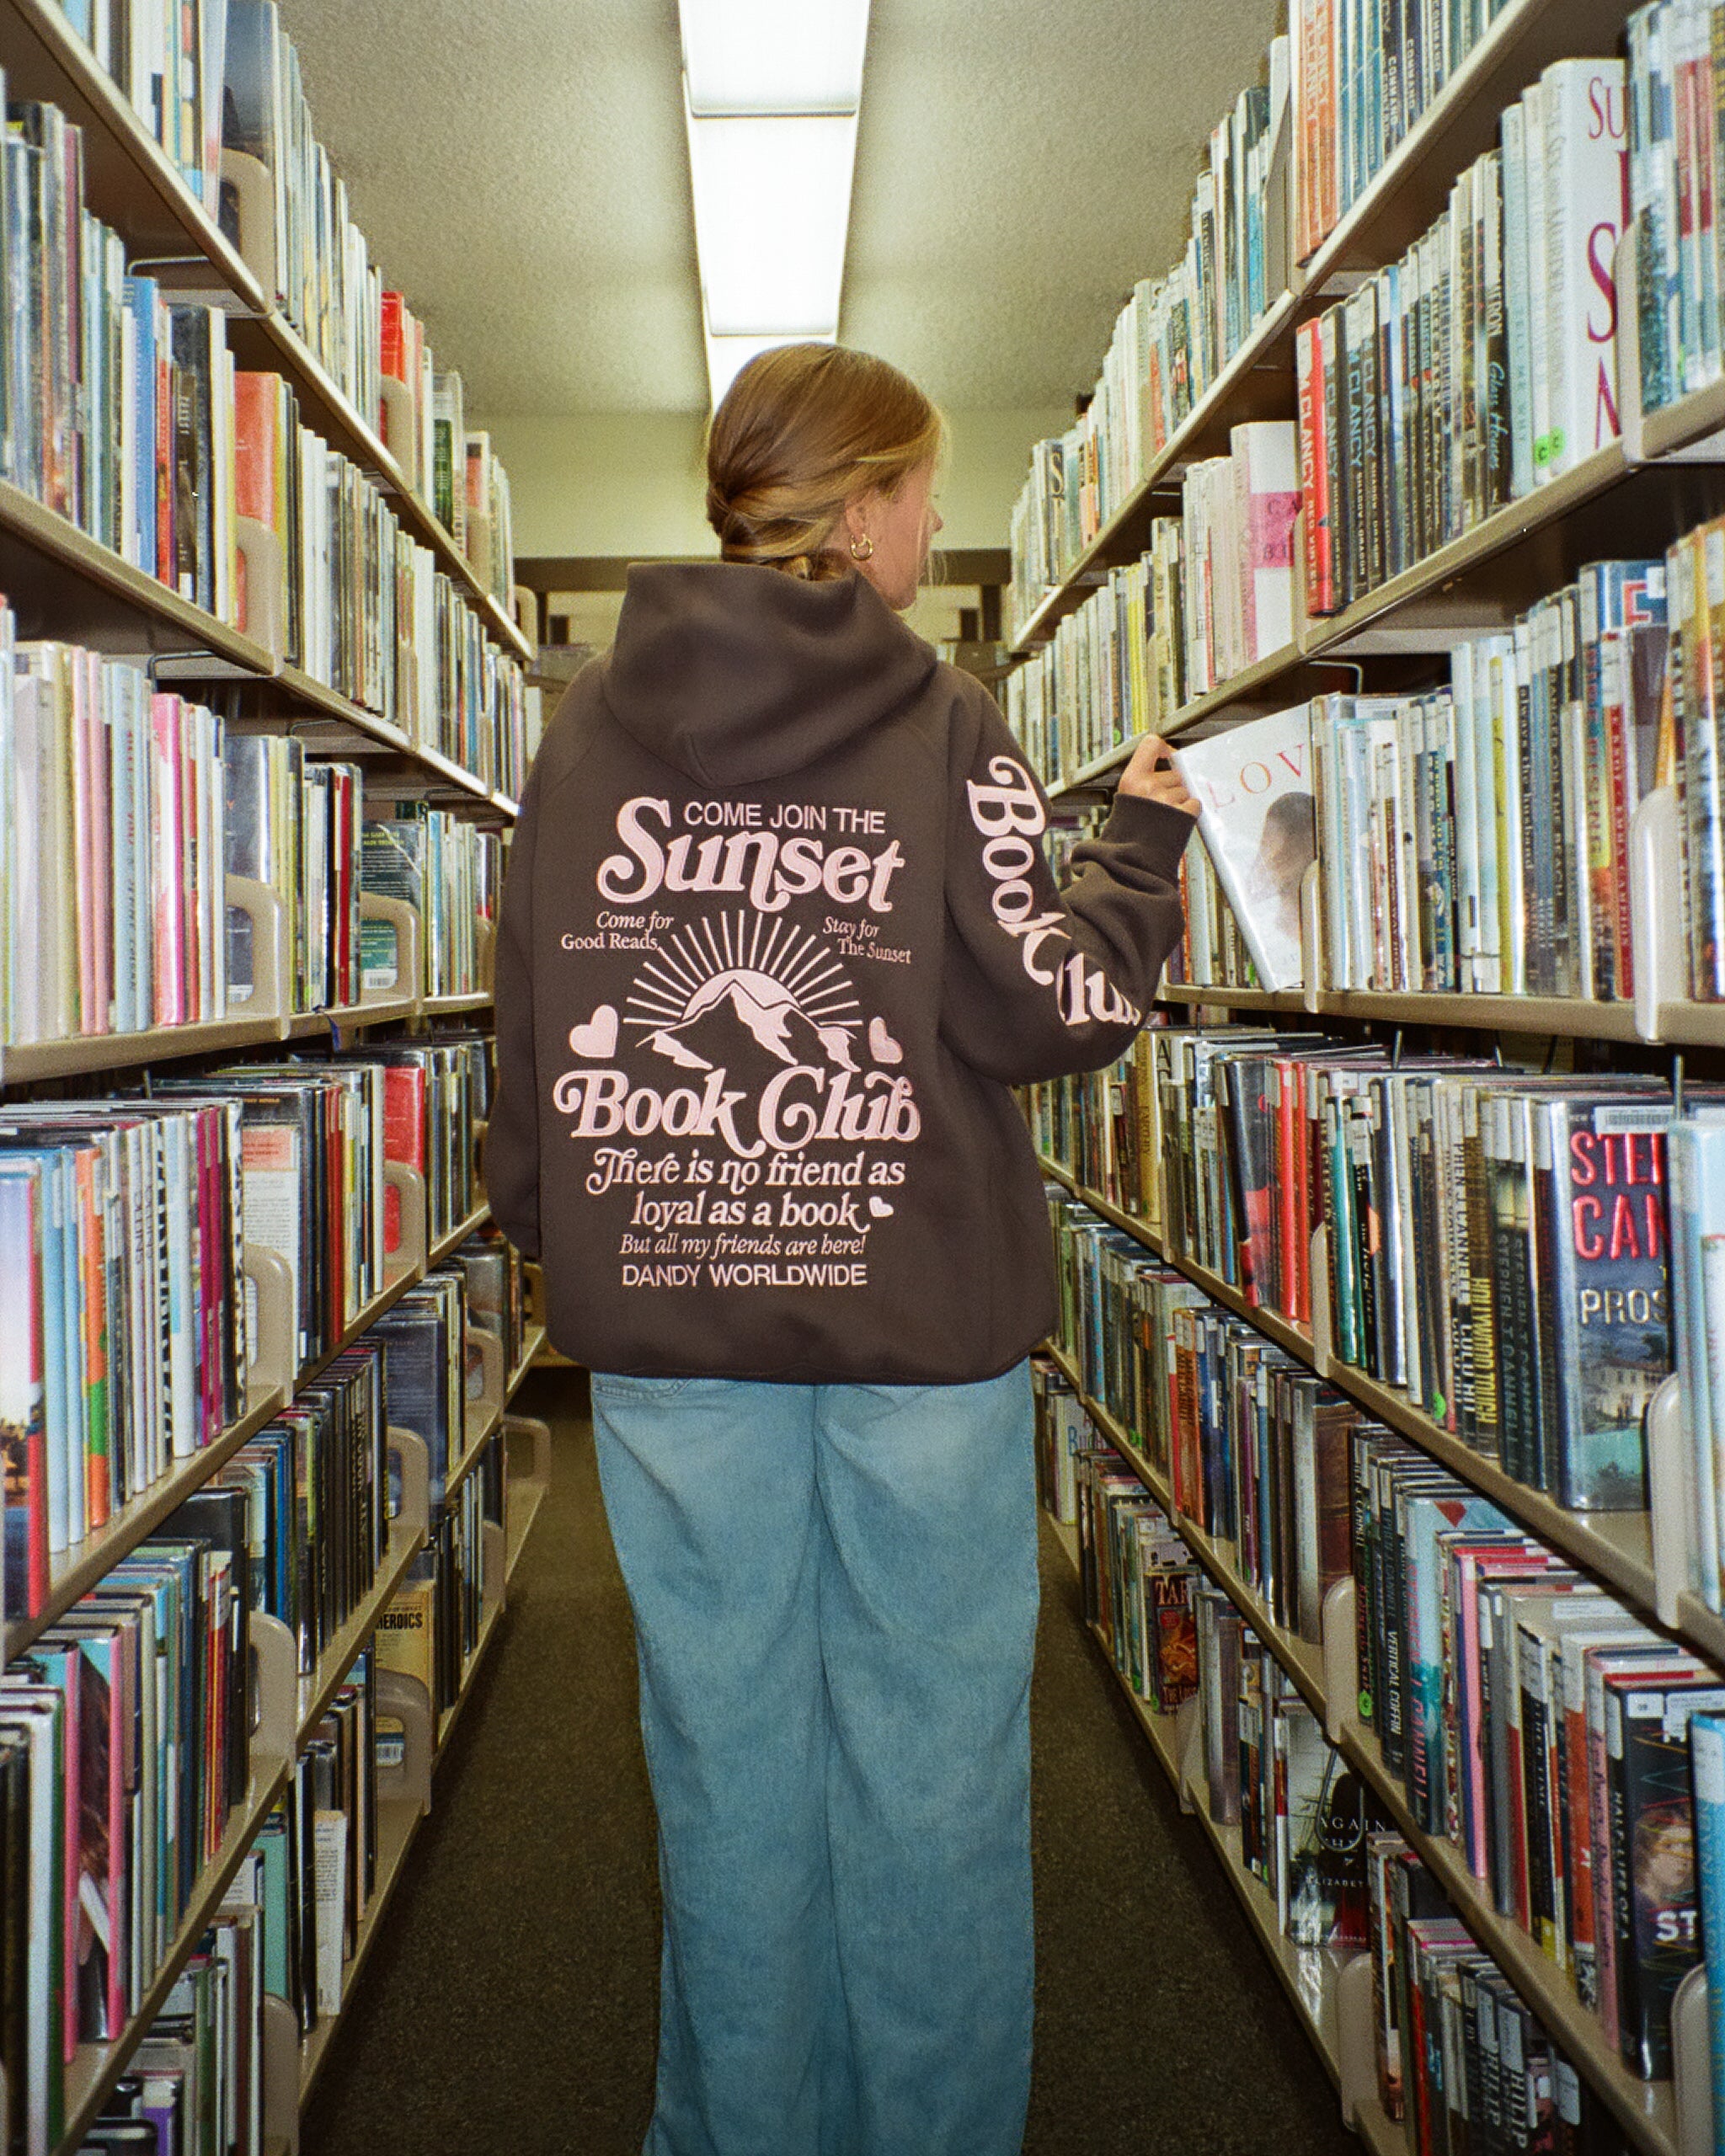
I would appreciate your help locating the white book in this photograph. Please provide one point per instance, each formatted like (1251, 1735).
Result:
(1200, 913)
(1517, 302)
(329, 1838)
(1265, 457)
(1487, 652)
(1253, 785)
(1583, 105)
(1512, 681)
(1573, 721)
(1458, 249)
(1464, 765)
(1410, 746)
(1539, 359)
(1355, 867)
(1384, 748)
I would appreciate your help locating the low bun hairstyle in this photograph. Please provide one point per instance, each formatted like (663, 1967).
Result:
(802, 428)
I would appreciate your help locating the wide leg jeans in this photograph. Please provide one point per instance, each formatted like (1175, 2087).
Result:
(835, 1596)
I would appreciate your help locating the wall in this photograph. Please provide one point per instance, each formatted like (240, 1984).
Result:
(630, 483)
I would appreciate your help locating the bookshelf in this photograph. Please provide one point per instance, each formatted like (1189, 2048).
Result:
(133, 187)
(63, 584)
(1408, 190)
(1646, 2110)
(1637, 495)
(406, 1801)
(95, 2067)
(1616, 1546)
(1312, 1977)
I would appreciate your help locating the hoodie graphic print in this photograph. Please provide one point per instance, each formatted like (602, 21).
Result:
(777, 935)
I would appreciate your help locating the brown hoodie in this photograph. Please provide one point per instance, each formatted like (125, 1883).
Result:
(777, 936)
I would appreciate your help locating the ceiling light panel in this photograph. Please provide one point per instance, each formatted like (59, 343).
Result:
(772, 203)
(743, 57)
(727, 357)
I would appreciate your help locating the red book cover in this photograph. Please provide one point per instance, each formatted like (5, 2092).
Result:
(1303, 1223)
(164, 858)
(404, 1137)
(257, 399)
(166, 544)
(1313, 470)
(1188, 1473)
(1290, 1131)
(210, 1314)
(392, 351)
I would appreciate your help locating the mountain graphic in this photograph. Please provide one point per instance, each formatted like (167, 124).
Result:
(737, 1014)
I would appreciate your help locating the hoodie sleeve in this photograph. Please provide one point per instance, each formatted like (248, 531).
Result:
(1041, 981)
(512, 1135)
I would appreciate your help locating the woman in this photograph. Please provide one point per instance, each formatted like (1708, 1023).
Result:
(778, 937)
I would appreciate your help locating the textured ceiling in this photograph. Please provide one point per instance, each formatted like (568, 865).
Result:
(521, 173)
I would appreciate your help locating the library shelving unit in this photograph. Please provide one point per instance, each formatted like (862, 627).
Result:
(132, 185)
(1616, 1547)
(1664, 475)
(405, 1792)
(62, 583)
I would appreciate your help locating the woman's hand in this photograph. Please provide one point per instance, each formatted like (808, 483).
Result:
(1152, 775)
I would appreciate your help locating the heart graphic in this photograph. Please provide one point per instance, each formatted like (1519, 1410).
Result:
(881, 1044)
(879, 1209)
(598, 1036)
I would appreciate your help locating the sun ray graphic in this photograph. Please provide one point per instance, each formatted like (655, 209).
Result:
(718, 964)
(766, 968)
(670, 967)
(664, 982)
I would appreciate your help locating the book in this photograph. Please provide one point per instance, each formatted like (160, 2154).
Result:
(1253, 785)
(1706, 1744)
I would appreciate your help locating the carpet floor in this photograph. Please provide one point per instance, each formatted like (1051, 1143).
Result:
(509, 2005)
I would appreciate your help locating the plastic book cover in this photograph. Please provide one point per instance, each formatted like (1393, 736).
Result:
(1696, 1159)
(1599, 1191)
(35, 1714)
(1253, 785)
(406, 1641)
(1172, 1659)
(1424, 1515)
(392, 865)
(1706, 1744)
(417, 1344)
(1326, 1812)
(1652, 1851)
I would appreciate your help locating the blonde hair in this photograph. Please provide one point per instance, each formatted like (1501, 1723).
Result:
(802, 428)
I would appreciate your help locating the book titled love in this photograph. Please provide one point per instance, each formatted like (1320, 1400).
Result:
(1254, 787)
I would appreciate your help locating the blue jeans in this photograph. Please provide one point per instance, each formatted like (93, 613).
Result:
(835, 1596)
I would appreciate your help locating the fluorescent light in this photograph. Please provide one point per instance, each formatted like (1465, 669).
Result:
(773, 55)
(727, 357)
(773, 204)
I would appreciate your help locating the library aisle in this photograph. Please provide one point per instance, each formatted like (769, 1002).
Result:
(509, 2007)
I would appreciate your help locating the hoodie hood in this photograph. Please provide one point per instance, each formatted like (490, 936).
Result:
(735, 673)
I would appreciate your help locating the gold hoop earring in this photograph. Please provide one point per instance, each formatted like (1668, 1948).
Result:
(863, 549)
